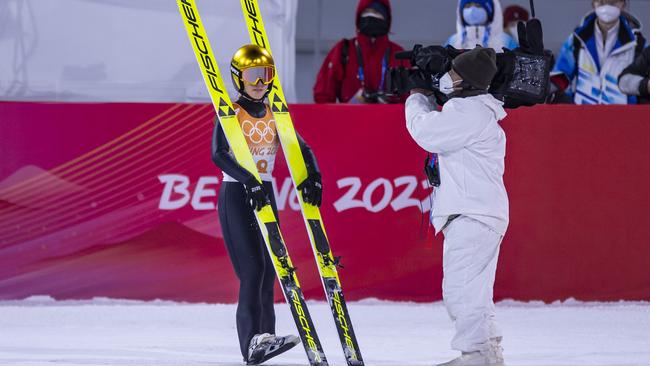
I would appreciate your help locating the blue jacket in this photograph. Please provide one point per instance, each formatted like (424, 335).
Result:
(595, 81)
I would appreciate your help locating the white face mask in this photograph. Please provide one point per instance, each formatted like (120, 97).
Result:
(447, 84)
(475, 15)
(608, 13)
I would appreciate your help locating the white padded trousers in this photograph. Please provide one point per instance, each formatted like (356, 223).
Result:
(470, 254)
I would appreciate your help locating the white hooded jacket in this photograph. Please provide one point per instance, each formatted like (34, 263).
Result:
(471, 150)
(491, 35)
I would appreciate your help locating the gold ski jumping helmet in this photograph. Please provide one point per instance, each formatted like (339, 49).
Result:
(252, 64)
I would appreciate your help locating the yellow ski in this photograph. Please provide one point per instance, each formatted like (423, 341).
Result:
(326, 261)
(266, 219)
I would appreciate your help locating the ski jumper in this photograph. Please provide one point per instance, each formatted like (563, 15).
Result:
(245, 245)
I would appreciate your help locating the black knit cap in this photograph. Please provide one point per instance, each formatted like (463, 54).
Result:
(477, 67)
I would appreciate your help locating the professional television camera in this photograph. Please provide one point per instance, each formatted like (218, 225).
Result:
(522, 78)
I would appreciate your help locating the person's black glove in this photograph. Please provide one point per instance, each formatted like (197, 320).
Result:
(531, 37)
(312, 189)
(256, 194)
(419, 80)
(531, 42)
(402, 80)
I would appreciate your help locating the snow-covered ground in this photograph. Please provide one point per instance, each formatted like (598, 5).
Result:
(39, 331)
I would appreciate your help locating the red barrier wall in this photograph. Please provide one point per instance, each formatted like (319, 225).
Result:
(93, 202)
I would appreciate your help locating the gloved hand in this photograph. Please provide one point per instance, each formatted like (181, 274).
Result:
(312, 189)
(531, 37)
(402, 80)
(256, 194)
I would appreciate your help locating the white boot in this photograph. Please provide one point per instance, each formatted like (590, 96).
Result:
(279, 345)
(257, 348)
(265, 346)
(492, 355)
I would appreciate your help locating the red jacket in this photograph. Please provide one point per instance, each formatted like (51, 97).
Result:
(334, 83)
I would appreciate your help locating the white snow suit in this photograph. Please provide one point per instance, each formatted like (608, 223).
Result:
(471, 149)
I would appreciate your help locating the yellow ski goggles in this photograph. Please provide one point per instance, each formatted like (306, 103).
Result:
(254, 75)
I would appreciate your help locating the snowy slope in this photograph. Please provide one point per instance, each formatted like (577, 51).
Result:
(39, 331)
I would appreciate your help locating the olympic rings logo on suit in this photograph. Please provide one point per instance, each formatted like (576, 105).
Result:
(259, 131)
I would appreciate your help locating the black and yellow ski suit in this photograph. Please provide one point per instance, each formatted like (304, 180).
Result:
(246, 247)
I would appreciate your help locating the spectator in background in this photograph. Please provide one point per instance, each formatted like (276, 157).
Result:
(635, 79)
(480, 22)
(512, 15)
(594, 56)
(343, 77)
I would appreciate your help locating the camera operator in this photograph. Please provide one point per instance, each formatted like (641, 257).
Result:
(471, 202)
(522, 77)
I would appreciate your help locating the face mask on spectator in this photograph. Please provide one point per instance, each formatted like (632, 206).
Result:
(475, 15)
(608, 13)
(373, 25)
